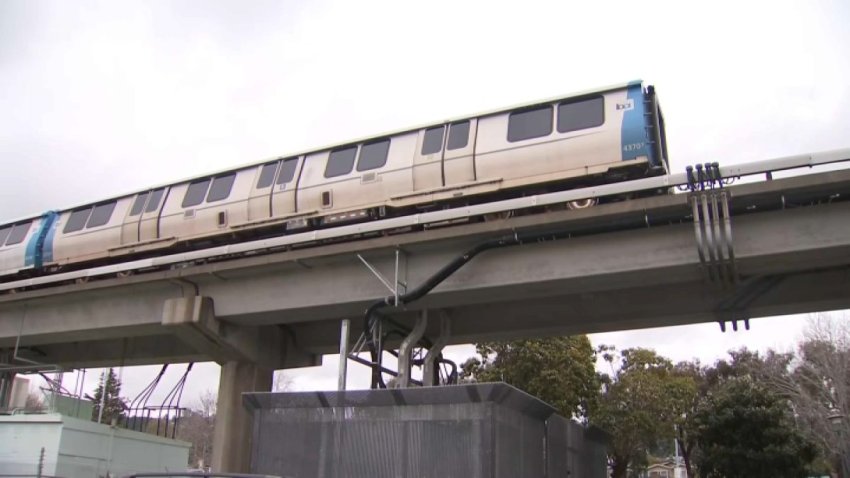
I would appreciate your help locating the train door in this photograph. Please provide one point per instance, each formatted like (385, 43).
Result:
(459, 155)
(428, 159)
(130, 226)
(142, 220)
(285, 184)
(149, 223)
(260, 198)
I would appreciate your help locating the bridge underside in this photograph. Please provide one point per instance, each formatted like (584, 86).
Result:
(630, 264)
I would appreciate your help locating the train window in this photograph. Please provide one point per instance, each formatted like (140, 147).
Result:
(267, 175)
(101, 214)
(373, 155)
(153, 202)
(287, 171)
(340, 162)
(139, 204)
(195, 192)
(531, 123)
(4, 232)
(221, 187)
(19, 232)
(433, 140)
(458, 135)
(77, 220)
(581, 114)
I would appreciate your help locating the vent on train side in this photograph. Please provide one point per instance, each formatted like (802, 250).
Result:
(327, 199)
(222, 218)
(369, 177)
(189, 214)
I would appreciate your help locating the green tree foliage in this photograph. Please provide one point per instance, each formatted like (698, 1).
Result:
(744, 429)
(559, 370)
(717, 385)
(641, 403)
(731, 419)
(114, 405)
(748, 363)
(741, 363)
(685, 428)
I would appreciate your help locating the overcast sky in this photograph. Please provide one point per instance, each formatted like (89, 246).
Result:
(104, 97)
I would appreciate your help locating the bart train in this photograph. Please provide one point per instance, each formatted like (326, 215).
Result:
(601, 136)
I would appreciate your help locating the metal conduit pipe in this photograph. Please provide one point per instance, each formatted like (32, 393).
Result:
(429, 284)
(451, 379)
(405, 350)
(429, 371)
(398, 325)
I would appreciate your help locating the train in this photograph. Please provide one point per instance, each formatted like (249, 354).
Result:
(609, 134)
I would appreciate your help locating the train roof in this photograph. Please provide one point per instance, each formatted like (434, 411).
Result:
(604, 89)
(420, 126)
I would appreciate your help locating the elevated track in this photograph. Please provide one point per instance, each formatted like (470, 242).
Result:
(778, 247)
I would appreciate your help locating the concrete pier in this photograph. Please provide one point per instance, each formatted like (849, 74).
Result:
(233, 425)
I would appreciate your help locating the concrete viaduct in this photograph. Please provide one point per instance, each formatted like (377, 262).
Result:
(625, 265)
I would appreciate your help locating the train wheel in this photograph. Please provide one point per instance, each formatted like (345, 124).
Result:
(583, 203)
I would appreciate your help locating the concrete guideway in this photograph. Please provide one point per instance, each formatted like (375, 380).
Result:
(283, 309)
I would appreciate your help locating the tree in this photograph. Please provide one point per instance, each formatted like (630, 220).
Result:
(196, 427)
(746, 430)
(559, 370)
(748, 363)
(197, 424)
(819, 388)
(685, 436)
(741, 363)
(34, 403)
(641, 402)
(114, 404)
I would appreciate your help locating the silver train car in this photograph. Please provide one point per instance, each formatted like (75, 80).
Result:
(594, 137)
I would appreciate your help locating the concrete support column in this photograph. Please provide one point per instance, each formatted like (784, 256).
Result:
(233, 425)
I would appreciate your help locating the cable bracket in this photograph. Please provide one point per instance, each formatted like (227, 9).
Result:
(712, 224)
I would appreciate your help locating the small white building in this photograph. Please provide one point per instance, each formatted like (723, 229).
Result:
(666, 470)
(77, 448)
